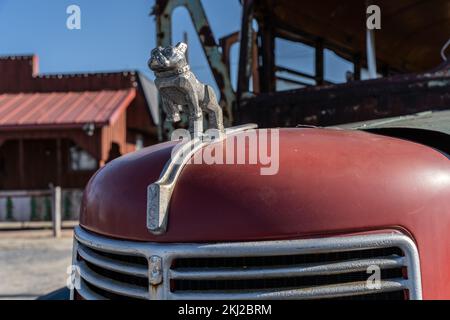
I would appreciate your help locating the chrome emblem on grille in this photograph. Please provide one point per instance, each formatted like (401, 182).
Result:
(155, 270)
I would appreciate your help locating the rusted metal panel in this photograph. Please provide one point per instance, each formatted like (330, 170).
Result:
(246, 48)
(163, 11)
(329, 24)
(319, 57)
(227, 42)
(411, 36)
(351, 102)
(266, 33)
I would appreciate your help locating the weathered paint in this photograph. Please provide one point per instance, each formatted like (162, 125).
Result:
(329, 182)
(350, 102)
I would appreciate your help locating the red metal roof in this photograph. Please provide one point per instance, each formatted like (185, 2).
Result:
(62, 109)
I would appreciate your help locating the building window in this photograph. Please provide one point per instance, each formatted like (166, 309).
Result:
(81, 160)
(295, 63)
(338, 69)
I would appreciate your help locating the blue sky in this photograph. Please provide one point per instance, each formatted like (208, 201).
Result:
(119, 35)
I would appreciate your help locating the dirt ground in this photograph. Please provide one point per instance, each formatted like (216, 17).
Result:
(32, 263)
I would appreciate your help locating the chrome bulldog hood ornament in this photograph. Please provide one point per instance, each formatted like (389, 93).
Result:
(181, 91)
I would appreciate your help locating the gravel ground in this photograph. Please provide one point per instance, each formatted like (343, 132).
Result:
(32, 263)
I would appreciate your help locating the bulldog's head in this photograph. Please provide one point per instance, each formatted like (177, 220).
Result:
(168, 58)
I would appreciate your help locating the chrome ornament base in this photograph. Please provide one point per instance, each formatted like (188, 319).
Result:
(160, 192)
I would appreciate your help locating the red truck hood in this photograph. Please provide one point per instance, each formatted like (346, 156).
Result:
(329, 181)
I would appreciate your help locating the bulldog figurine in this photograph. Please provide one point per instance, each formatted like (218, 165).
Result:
(180, 89)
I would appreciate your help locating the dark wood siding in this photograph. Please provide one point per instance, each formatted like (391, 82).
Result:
(40, 163)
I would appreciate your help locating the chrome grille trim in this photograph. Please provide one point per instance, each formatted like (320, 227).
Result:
(341, 290)
(291, 271)
(172, 251)
(88, 294)
(117, 287)
(111, 264)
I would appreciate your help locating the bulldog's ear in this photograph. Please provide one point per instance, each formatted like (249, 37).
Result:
(181, 46)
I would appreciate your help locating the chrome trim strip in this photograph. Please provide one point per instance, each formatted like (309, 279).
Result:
(87, 293)
(111, 285)
(240, 128)
(336, 291)
(111, 264)
(159, 193)
(74, 262)
(170, 251)
(291, 271)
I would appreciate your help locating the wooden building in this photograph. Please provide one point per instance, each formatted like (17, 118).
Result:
(59, 129)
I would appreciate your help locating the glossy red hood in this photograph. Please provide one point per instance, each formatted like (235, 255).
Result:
(329, 181)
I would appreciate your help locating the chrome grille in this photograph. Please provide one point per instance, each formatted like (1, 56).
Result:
(112, 275)
(292, 269)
